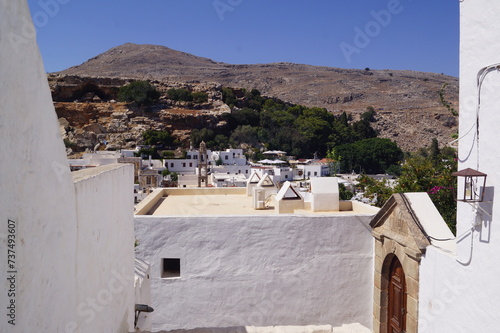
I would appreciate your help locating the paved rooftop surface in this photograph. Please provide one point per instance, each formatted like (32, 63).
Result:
(208, 205)
(222, 204)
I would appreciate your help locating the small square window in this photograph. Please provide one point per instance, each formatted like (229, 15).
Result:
(171, 268)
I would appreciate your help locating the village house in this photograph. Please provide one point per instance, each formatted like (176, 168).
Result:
(301, 259)
(260, 260)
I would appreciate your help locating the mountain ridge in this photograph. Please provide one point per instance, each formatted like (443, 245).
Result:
(408, 103)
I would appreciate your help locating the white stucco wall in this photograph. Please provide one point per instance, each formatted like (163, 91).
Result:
(142, 284)
(465, 297)
(33, 162)
(60, 242)
(182, 165)
(260, 271)
(105, 248)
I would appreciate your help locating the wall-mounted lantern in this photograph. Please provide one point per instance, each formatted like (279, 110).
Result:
(473, 180)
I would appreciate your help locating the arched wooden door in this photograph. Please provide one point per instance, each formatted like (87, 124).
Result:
(397, 298)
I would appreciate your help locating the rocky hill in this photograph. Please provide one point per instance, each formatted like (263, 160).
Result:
(408, 104)
(89, 113)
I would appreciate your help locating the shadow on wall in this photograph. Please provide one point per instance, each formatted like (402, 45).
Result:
(486, 214)
(237, 329)
(354, 328)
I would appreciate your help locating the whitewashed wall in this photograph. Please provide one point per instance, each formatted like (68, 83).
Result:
(182, 165)
(36, 187)
(105, 248)
(465, 297)
(259, 270)
(142, 284)
(60, 251)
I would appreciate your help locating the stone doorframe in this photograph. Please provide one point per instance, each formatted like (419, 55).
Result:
(397, 232)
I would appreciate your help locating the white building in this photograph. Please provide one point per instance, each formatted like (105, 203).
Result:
(90, 160)
(182, 166)
(228, 180)
(278, 174)
(228, 173)
(313, 170)
(231, 169)
(459, 291)
(305, 169)
(229, 157)
(219, 262)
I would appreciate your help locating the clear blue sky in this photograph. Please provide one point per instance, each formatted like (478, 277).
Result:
(419, 35)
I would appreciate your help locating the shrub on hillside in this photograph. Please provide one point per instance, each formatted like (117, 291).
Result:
(140, 92)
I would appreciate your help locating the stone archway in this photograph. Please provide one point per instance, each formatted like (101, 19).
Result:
(398, 236)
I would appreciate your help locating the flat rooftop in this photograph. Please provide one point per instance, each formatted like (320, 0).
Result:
(224, 201)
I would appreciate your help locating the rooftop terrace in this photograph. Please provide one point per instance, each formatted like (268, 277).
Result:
(224, 201)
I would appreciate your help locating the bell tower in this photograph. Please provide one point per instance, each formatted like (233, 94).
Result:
(202, 165)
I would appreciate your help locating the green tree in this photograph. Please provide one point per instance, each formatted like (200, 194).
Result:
(343, 119)
(158, 138)
(420, 174)
(246, 116)
(315, 130)
(364, 130)
(378, 191)
(199, 97)
(434, 152)
(197, 136)
(180, 95)
(373, 155)
(344, 194)
(174, 176)
(369, 115)
(228, 97)
(220, 142)
(341, 134)
(244, 134)
(146, 152)
(141, 92)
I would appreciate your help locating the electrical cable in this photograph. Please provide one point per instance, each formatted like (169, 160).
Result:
(471, 231)
(415, 218)
(481, 75)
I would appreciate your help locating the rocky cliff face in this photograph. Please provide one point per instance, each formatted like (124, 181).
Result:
(408, 105)
(94, 116)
